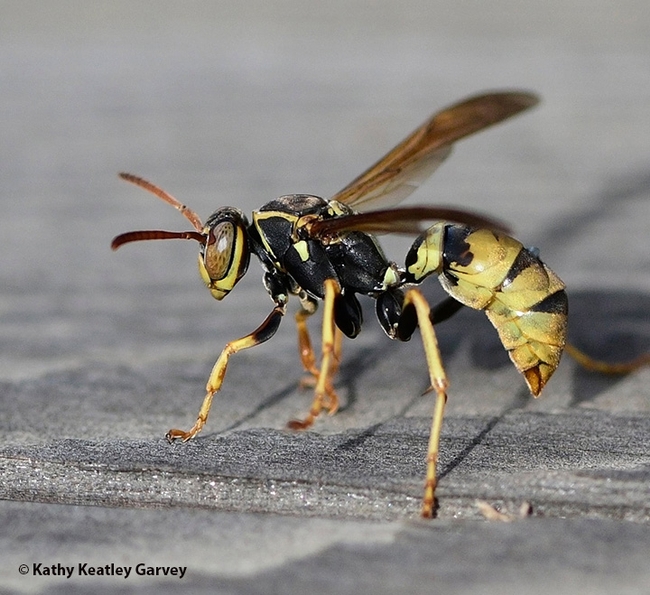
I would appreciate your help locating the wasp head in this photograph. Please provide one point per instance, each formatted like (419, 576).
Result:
(224, 254)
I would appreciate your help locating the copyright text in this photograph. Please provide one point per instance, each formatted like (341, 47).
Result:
(86, 569)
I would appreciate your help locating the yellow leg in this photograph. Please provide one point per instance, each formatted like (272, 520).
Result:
(308, 359)
(323, 390)
(263, 333)
(414, 299)
(307, 355)
(331, 399)
(603, 367)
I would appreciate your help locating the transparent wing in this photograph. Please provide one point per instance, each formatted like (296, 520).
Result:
(396, 175)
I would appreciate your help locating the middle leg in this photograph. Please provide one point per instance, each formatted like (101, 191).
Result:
(324, 395)
(308, 357)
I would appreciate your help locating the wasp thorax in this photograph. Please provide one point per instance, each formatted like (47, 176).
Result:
(224, 257)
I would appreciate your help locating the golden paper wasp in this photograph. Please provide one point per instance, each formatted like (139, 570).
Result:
(319, 249)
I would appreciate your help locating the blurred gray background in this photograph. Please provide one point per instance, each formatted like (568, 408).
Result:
(235, 103)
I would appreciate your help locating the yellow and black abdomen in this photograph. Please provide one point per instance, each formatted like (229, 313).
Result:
(491, 271)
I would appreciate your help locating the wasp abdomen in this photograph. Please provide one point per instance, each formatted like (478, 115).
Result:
(491, 271)
(530, 315)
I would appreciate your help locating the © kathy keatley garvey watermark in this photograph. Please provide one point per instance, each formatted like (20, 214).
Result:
(86, 569)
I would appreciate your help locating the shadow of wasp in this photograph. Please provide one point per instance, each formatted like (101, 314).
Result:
(319, 249)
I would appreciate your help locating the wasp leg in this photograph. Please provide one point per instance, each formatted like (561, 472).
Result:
(604, 367)
(323, 394)
(261, 334)
(308, 357)
(444, 310)
(416, 304)
(332, 401)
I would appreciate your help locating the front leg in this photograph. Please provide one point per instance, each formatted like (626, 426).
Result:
(263, 333)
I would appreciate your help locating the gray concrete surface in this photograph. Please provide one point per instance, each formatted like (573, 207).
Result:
(223, 103)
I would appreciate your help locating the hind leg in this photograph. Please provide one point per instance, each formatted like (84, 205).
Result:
(415, 305)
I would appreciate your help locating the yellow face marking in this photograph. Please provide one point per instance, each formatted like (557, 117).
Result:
(217, 293)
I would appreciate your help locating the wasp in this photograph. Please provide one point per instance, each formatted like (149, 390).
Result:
(326, 251)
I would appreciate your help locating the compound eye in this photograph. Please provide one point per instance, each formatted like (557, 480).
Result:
(225, 256)
(220, 250)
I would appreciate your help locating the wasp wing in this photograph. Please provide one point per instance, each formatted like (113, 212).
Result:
(406, 220)
(402, 170)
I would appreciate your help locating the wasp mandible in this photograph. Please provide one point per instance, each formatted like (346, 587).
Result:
(325, 250)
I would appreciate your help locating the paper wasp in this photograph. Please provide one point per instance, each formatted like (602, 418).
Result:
(319, 249)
